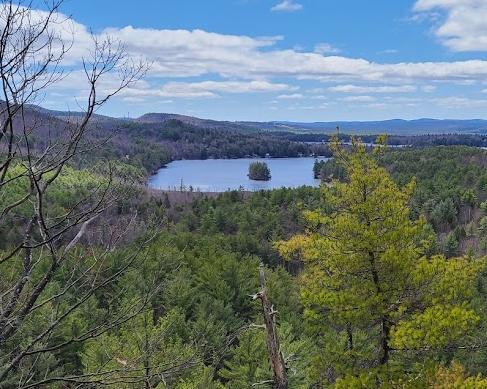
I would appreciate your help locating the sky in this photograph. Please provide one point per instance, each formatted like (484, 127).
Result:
(297, 60)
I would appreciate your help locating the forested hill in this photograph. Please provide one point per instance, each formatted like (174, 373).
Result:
(154, 139)
(394, 126)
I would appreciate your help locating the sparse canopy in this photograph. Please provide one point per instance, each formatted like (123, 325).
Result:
(45, 278)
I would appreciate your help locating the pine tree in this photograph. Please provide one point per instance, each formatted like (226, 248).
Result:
(367, 287)
(259, 171)
(248, 365)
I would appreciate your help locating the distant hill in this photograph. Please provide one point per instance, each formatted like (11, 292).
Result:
(152, 118)
(393, 126)
(154, 139)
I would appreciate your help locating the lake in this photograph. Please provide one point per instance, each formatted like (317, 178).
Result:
(220, 175)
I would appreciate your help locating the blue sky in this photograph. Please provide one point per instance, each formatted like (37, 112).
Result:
(302, 60)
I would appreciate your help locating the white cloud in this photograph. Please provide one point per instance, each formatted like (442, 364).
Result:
(463, 26)
(291, 96)
(61, 29)
(74, 87)
(376, 106)
(245, 64)
(358, 99)
(326, 48)
(401, 99)
(205, 89)
(372, 89)
(454, 102)
(287, 6)
(307, 107)
(184, 53)
(76, 82)
(428, 88)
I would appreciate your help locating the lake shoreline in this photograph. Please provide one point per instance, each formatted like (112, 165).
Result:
(227, 174)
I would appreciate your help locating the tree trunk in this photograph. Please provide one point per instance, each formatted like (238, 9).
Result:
(275, 356)
(385, 328)
(384, 341)
(349, 337)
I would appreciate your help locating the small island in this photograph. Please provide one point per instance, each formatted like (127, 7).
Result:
(259, 171)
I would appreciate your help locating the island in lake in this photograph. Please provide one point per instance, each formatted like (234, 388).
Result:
(259, 171)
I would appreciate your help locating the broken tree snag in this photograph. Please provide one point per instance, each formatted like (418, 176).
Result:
(275, 355)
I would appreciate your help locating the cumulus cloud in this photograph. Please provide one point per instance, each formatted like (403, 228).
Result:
(185, 53)
(462, 27)
(287, 6)
(205, 88)
(62, 29)
(182, 53)
(326, 48)
(246, 64)
(372, 89)
(75, 83)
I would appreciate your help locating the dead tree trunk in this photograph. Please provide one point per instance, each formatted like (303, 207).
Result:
(275, 355)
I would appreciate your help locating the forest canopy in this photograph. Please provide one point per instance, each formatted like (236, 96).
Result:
(375, 279)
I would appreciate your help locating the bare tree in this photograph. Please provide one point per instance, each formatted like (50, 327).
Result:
(45, 277)
(276, 359)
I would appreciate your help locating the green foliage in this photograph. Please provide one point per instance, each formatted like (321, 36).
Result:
(366, 276)
(200, 328)
(448, 178)
(259, 171)
(157, 349)
(450, 245)
(329, 170)
(436, 326)
(248, 364)
(483, 226)
(451, 183)
(72, 188)
(483, 206)
(469, 198)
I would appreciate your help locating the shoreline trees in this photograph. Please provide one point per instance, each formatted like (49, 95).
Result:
(259, 171)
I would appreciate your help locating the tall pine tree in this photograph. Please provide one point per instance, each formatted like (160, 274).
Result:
(369, 292)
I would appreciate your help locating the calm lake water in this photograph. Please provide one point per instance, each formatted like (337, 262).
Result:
(219, 175)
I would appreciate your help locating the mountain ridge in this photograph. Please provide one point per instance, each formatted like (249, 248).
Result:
(420, 126)
(395, 126)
